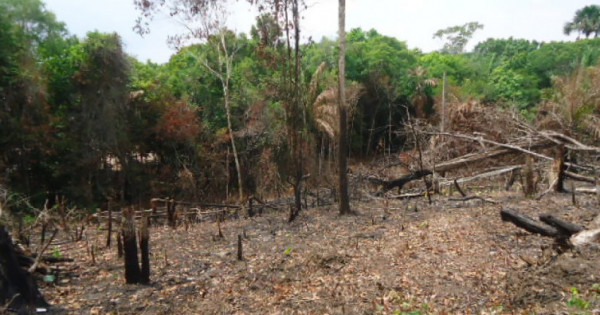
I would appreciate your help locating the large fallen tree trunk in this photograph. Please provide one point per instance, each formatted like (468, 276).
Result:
(529, 224)
(18, 291)
(497, 172)
(566, 228)
(506, 148)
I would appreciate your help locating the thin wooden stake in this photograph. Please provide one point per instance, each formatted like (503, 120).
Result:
(219, 226)
(119, 246)
(597, 180)
(108, 236)
(239, 253)
(573, 200)
(93, 251)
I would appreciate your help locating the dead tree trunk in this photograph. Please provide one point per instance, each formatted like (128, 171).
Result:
(528, 223)
(388, 185)
(145, 250)
(171, 219)
(527, 180)
(556, 175)
(132, 267)
(566, 228)
(18, 290)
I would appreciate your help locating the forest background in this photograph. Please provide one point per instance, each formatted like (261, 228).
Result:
(82, 122)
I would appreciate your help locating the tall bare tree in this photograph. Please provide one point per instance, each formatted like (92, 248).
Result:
(287, 14)
(343, 110)
(205, 20)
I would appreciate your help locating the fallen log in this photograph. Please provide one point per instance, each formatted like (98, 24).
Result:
(565, 227)
(507, 148)
(410, 195)
(568, 142)
(467, 198)
(581, 178)
(468, 159)
(529, 224)
(586, 190)
(388, 185)
(497, 172)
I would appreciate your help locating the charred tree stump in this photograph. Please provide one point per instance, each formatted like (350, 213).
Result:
(153, 205)
(132, 267)
(557, 174)
(119, 246)
(250, 209)
(527, 180)
(18, 290)
(240, 255)
(145, 250)
(171, 216)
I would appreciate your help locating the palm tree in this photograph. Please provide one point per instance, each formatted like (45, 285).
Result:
(422, 90)
(586, 21)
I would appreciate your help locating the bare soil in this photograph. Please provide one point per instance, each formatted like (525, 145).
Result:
(393, 257)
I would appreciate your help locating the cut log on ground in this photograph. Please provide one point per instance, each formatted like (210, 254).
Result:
(563, 226)
(529, 224)
(579, 177)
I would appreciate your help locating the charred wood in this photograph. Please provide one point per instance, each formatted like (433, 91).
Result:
(388, 185)
(529, 224)
(563, 226)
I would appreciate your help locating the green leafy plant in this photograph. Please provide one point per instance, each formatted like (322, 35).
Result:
(576, 300)
(29, 219)
(56, 253)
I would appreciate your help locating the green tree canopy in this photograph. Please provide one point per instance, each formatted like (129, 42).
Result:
(457, 37)
(586, 21)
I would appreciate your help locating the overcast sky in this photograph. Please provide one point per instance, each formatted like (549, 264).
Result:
(412, 21)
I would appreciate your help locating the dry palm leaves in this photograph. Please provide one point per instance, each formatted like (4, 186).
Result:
(325, 108)
(576, 104)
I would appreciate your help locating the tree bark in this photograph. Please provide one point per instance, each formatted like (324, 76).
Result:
(557, 175)
(132, 267)
(343, 135)
(17, 287)
(145, 250)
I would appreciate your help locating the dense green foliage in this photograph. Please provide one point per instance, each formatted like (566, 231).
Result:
(81, 119)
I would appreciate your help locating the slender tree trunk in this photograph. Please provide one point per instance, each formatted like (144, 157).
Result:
(225, 81)
(296, 114)
(443, 124)
(343, 135)
(233, 147)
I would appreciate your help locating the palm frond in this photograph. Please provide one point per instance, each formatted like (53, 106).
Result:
(326, 111)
